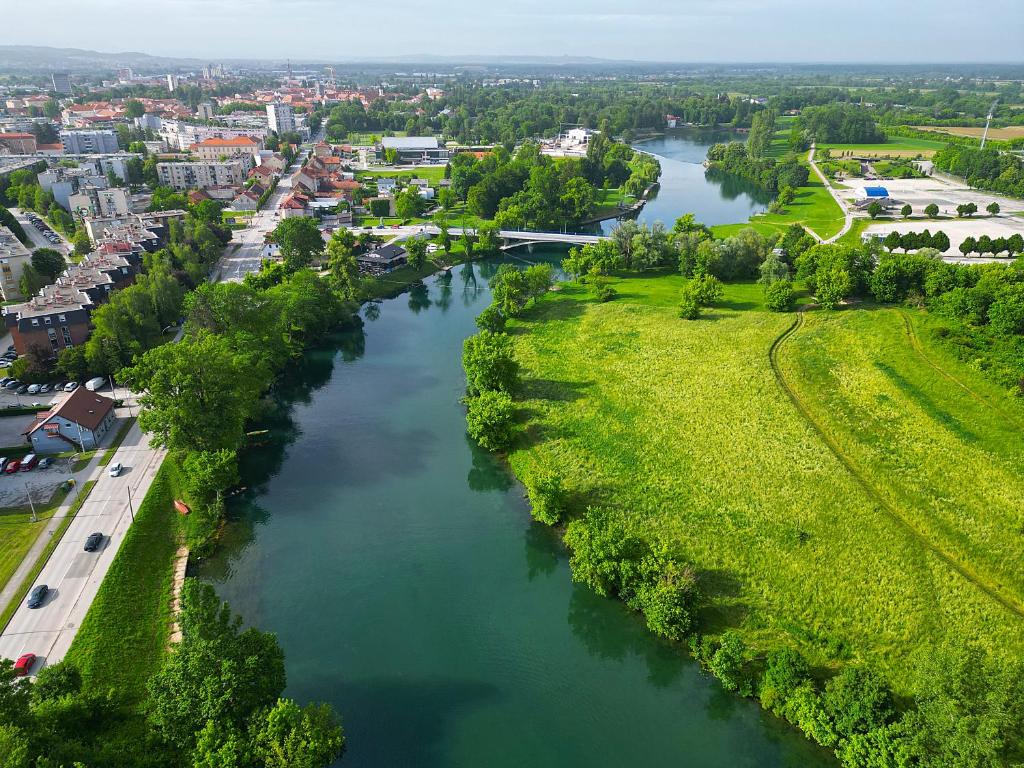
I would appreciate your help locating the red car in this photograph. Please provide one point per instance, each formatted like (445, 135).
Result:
(24, 664)
(12, 466)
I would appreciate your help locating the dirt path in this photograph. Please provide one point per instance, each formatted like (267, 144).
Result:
(1011, 603)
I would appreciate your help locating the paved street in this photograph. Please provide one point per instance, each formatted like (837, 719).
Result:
(73, 575)
(38, 241)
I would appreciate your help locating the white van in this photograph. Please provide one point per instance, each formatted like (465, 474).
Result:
(93, 384)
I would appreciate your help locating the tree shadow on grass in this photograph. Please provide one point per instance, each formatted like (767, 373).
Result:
(722, 609)
(738, 306)
(553, 390)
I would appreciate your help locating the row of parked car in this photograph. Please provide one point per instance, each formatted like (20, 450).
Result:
(12, 384)
(25, 464)
(43, 228)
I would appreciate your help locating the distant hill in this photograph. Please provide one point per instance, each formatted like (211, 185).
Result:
(36, 57)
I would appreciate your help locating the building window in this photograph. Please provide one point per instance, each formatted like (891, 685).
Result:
(61, 319)
(67, 336)
(35, 321)
(48, 320)
(52, 335)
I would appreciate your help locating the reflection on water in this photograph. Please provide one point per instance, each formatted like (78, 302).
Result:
(408, 586)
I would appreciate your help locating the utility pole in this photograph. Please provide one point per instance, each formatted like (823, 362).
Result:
(131, 509)
(32, 506)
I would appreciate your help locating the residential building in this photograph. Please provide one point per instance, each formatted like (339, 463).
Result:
(89, 142)
(13, 258)
(80, 420)
(172, 82)
(94, 201)
(144, 231)
(416, 149)
(178, 135)
(183, 176)
(384, 259)
(61, 82)
(17, 143)
(205, 111)
(58, 316)
(240, 147)
(280, 117)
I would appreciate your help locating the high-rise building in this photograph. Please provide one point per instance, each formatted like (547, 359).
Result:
(280, 117)
(99, 142)
(172, 82)
(205, 111)
(61, 82)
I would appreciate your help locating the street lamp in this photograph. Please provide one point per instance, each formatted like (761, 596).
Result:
(32, 506)
(131, 509)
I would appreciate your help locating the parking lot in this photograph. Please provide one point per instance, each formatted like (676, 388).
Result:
(957, 230)
(41, 234)
(935, 189)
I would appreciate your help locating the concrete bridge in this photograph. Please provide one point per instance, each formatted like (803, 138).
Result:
(517, 237)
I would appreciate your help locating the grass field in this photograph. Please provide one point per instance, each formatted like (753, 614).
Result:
(432, 173)
(871, 554)
(896, 146)
(1003, 134)
(124, 635)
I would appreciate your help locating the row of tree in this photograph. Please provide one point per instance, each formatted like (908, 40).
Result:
(983, 168)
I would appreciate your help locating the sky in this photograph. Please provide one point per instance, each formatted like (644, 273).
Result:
(941, 31)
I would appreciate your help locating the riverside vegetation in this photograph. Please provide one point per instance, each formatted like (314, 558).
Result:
(780, 491)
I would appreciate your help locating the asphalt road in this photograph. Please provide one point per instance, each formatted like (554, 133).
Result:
(73, 575)
(38, 241)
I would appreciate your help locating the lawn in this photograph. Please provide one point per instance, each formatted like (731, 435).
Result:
(432, 173)
(684, 425)
(896, 146)
(123, 638)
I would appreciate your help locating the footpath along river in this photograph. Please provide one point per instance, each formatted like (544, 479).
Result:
(399, 567)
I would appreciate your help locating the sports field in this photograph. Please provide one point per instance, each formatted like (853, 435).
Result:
(839, 484)
(895, 147)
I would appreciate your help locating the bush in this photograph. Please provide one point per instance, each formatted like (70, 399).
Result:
(786, 670)
(547, 500)
(667, 598)
(780, 296)
(489, 418)
(489, 364)
(491, 319)
(689, 309)
(728, 664)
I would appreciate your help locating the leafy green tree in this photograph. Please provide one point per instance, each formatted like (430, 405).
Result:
(218, 672)
(906, 210)
(785, 671)
(857, 701)
(779, 296)
(31, 281)
(380, 206)
(968, 245)
(489, 363)
(992, 208)
(341, 260)
(48, 262)
(729, 662)
(416, 249)
(689, 304)
(773, 269)
(966, 210)
(198, 393)
(300, 242)
(81, 242)
(487, 242)
(408, 203)
(605, 552)
(491, 319)
(931, 210)
(489, 419)
(874, 209)
(290, 736)
(833, 285)
(205, 476)
(547, 499)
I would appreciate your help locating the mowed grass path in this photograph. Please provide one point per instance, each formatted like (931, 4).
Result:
(684, 427)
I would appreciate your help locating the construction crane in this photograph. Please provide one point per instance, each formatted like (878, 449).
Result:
(988, 122)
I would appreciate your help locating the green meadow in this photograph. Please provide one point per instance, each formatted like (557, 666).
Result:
(838, 484)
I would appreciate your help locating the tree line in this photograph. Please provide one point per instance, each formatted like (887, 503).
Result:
(983, 168)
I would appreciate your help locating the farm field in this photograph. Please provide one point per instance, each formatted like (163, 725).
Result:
(871, 552)
(1004, 134)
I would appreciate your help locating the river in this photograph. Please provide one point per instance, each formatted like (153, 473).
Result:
(684, 187)
(399, 567)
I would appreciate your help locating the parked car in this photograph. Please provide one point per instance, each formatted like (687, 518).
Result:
(71, 386)
(22, 390)
(115, 469)
(28, 463)
(3, 463)
(5, 363)
(12, 466)
(5, 379)
(93, 384)
(93, 542)
(37, 595)
(33, 389)
(12, 384)
(58, 386)
(44, 388)
(44, 462)
(24, 664)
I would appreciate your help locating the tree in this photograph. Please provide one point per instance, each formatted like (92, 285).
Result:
(31, 281)
(81, 242)
(380, 206)
(547, 499)
(416, 248)
(728, 664)
(906, 210)
(487, 241)
(341, 260)
(779, 296)
(134, 108)
(773, 269)
(874, 209)
(408, 203)
(198, 393)
(931, 210)
(290, 736)
(833, 285)
(940, 242)
(206, 475)
(488, 361)
(992, 208)
(218, 672)
(968, 245)
(893, 240)
(489, 418)
(300, 242)
(966, 209)
(48, 263)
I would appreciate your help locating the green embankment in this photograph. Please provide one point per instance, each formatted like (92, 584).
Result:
(124, 635)
(872, 552)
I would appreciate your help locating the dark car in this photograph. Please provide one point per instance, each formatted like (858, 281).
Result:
(93, 542)
(12, 384)
(38, 595)
(21, 390)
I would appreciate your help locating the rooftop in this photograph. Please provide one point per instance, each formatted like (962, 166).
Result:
(81, 407)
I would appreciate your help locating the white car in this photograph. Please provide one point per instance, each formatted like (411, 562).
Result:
(33, 389)
(115, 469)
(5, 363)
(98, 383)
(71, 386)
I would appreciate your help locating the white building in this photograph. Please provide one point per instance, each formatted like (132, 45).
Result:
(205, 111)
(13, 258)
(182, 176)
(172, 82)
(180, 136)
(100, 142)
(280, 117)
(93, 201)
(61, 82)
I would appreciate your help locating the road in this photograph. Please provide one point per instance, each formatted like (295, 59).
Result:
(38, 241)
(835, 196)
(73, 575)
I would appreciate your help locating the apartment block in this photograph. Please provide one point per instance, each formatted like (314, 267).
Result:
(183, 176)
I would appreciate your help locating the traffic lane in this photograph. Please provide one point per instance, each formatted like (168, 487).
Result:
(75, 575)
